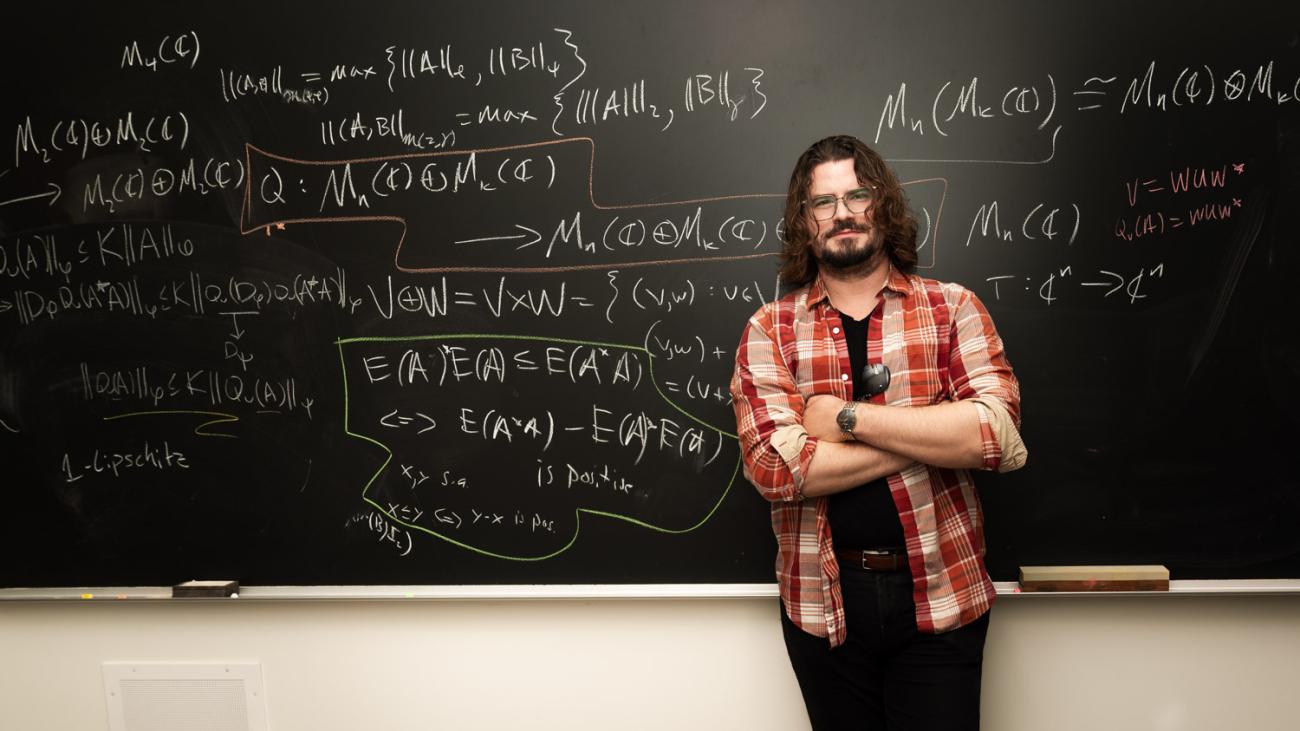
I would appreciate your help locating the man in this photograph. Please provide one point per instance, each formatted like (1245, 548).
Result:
(879, 534)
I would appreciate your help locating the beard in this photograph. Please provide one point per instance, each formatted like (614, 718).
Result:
(851, 259)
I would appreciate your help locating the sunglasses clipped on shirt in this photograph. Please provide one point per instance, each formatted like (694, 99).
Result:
(875, 379)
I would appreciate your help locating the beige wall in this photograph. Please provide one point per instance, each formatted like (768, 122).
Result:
(1053, 663)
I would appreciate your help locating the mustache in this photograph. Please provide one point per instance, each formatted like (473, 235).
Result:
(845, 226)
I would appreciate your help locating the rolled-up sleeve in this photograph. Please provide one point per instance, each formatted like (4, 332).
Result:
(980, 372)
(775, 448)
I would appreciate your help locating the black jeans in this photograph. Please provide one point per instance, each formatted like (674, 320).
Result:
(887, 675)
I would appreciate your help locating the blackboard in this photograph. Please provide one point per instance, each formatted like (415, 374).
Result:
(448, 293)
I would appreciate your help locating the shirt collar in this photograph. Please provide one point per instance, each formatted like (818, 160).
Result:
(896, 283)
(817, 292)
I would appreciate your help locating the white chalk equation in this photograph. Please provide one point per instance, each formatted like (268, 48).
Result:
(530, 434)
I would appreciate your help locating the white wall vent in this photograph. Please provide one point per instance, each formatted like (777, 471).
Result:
(192, 696)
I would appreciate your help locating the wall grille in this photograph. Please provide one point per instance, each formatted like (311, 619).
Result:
(192, 696)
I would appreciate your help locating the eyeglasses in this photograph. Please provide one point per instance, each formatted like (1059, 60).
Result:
(823, 207)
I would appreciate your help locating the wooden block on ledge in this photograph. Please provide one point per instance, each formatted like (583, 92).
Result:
(1094, 578)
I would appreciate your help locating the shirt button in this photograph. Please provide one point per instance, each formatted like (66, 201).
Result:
(835, 330)
(844, 376)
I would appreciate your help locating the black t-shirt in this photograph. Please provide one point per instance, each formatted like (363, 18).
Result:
(864, 516)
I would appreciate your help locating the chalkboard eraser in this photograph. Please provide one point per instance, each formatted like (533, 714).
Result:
(1094, 578)
(191, 589)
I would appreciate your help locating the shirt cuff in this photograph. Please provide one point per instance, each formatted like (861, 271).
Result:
(795, 447)
(1004, 450)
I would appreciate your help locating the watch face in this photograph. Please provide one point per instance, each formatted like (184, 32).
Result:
(847, 418)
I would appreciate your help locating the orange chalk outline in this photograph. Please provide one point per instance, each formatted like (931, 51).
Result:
(246, 226)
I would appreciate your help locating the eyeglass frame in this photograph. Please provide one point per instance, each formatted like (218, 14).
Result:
(807, 202)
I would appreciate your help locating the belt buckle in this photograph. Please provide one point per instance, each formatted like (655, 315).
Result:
(878, 554)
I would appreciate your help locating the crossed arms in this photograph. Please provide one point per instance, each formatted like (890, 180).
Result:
(793, 448)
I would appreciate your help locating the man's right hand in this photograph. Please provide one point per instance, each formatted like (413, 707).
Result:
(819, 417)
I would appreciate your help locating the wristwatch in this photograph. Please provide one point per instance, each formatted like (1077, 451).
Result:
(847, 419)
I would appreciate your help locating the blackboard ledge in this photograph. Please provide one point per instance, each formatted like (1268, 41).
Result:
(1184, 587)
(401, 593)
(1005, 589)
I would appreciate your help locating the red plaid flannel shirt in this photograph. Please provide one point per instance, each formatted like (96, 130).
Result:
(940, 345)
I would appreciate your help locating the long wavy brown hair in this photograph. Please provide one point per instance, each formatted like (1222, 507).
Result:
(889, 210)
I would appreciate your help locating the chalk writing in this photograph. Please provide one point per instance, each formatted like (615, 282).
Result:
(1179, 184)
(484, 280)
(1056, 284)
(158, 457)
(481, 370)
(182, 49)
(83, 136)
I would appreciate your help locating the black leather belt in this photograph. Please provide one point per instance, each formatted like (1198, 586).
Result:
(872, 560)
